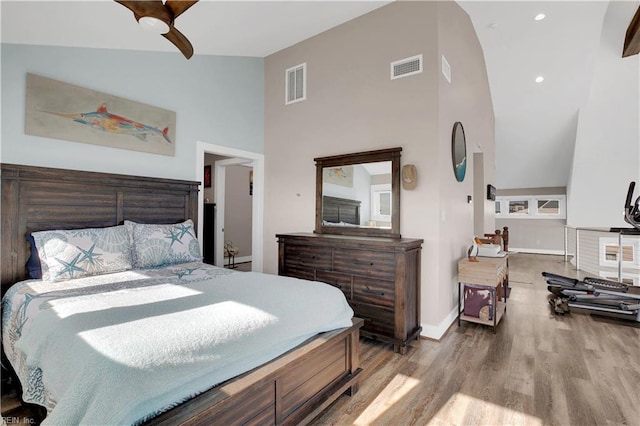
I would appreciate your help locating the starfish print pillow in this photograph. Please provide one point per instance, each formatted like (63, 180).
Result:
(77, 253)
(162, 245)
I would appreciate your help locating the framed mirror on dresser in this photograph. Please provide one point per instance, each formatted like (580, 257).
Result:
(359, 194)
(356, 245)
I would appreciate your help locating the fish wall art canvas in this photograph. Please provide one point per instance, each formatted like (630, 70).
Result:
(59, 110)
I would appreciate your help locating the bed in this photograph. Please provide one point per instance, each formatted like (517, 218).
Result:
(307, 374)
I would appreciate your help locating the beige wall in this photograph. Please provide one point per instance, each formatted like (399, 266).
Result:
(238, 204)
(466, 99)
(237, 213)
(353, 105)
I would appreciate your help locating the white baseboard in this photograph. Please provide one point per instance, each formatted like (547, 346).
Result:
(536, 251)
(435, 332)
(238, 259)
(243, 259)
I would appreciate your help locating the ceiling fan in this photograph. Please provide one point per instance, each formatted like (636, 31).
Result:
(159, 16)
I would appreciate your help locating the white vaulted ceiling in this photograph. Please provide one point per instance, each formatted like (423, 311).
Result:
(535, 122)
(234, 28)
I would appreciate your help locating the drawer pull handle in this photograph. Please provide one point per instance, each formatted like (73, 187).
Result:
(363, 262)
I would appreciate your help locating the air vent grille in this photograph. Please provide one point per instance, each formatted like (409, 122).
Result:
(296, 84)
(446, 69)
(406, 67)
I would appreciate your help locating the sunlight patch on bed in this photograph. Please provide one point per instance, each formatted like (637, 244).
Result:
(166, 335)
(92, 302)
(392, 393)
(463, 409)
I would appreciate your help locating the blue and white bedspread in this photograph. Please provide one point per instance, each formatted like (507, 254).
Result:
(121, 348)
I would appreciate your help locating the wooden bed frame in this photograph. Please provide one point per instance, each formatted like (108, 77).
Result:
(336, 210)
(292, 389)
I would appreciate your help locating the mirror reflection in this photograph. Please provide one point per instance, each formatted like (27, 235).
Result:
(357, 195)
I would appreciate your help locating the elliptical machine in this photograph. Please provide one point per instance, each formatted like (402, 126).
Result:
(597, 295)
(632, 211)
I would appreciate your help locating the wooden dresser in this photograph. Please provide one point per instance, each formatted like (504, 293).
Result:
(379, 276)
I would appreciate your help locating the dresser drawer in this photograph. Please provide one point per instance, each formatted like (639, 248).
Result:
(369, 263)
(336, 279)
(377, 320)
(307, 256)
(374, 292)
(297, 272)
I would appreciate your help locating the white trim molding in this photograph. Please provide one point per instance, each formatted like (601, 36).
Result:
(435, 332)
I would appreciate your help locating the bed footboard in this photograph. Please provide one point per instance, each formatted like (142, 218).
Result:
(292, 389)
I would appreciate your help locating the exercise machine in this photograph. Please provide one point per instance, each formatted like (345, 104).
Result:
(595, 295)
(632, 211)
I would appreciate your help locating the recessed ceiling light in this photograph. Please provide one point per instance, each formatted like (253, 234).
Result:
(539, 79)
(540, 16)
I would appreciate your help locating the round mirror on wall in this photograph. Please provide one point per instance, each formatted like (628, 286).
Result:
(459, 151)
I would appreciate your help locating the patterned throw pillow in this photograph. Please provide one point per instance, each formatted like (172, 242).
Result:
(77, 253)
(161, 245)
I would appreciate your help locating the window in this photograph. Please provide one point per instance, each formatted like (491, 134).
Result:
(519, 207)
(381, 202)
(531, 207)
(296, 84)
(548, 207)
(610, 252)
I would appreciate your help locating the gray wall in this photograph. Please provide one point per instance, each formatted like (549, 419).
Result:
(237, 213)
(217, 100)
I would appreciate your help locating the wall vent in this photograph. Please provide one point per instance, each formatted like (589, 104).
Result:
(406, 67)
(446, 69)
(296, 84)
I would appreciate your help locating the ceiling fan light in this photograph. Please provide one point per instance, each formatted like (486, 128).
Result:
(540, 16)
(152, 24)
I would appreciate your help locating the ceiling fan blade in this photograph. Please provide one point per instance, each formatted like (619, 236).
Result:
(145, 8)
(177, 7)
(181, 42)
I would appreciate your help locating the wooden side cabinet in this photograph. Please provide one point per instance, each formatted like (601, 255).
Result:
(484, 282)
(380, 278)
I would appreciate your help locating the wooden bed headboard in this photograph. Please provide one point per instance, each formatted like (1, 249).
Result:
(336, 210)
(39, 198)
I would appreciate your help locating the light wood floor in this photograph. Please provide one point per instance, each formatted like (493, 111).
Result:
(538, 368)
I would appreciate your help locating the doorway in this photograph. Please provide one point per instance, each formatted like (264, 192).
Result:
(235, 157)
